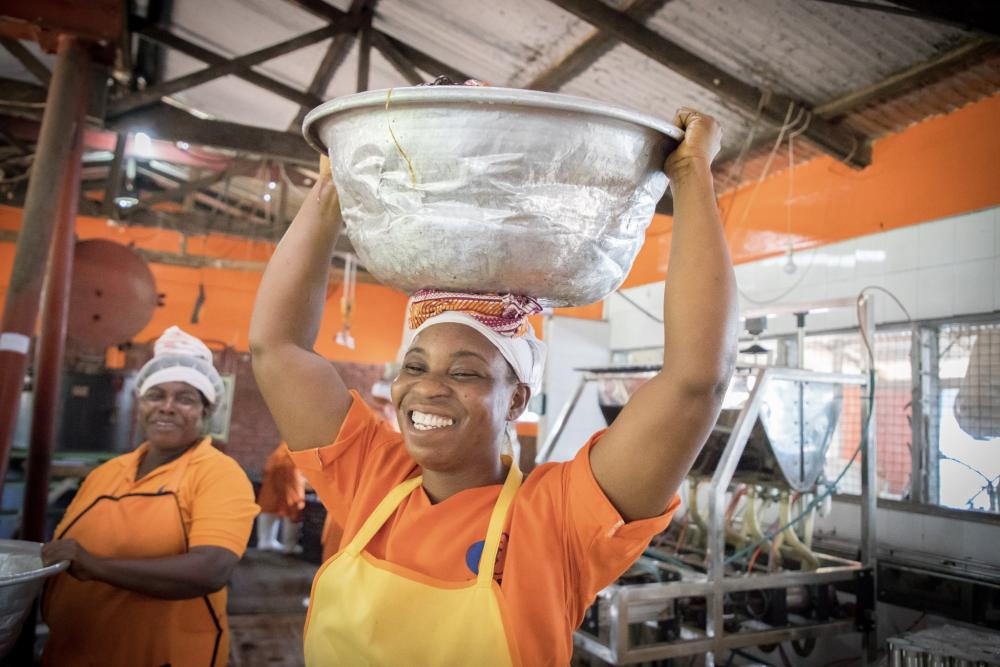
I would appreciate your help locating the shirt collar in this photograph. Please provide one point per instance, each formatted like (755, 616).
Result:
(130, 461)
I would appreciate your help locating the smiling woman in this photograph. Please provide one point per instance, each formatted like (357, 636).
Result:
(152, 536)
(449, 556)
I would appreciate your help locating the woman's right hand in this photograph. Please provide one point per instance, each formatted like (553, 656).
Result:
(81, 562)
(702, 141)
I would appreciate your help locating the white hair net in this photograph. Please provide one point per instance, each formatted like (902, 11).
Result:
(180, 357)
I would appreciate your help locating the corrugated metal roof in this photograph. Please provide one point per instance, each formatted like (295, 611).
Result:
(812, 51)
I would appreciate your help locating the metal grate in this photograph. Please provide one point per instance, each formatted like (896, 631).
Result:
(843, 353)
(968, 405)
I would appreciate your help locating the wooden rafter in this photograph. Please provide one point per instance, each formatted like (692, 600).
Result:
(365, 57)
(183, 189)
(334, 57)
(168, 39)
(28, 59)
(239, 64)
(422, 60)
(165, 122)
(895, 85)
(590, 50)
(837, 141)
(403, 65)
(903, 82)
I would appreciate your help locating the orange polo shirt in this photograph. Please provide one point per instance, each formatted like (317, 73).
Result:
(563, 542)
(215, 497)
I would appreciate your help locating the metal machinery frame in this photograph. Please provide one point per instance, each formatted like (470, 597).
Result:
(621, 605)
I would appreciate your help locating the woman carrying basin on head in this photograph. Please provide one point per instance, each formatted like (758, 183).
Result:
(152, 536)
(448, 556)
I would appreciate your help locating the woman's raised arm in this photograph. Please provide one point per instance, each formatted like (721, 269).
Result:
(643, 458)
(302, 389)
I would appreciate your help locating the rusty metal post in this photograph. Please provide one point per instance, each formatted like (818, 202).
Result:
(51, 348)
(62, 120)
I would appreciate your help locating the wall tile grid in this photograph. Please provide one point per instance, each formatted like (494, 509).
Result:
(937, 269)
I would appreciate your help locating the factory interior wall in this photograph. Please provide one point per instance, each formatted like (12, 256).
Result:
(376, 323)
(573, 343)
(939, 269)
(942, 167)
(377, 320)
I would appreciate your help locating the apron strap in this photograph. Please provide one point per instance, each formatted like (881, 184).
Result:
(488, 559)
(381, 514)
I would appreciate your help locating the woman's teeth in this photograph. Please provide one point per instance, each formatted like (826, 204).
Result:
(423, 421)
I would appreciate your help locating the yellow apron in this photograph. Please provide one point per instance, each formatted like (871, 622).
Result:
(367, 611)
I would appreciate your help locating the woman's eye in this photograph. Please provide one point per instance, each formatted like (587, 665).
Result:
(414, 368)
(465, 374)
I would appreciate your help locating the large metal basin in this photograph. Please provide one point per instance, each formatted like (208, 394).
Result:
(21, 578)
(494, 189)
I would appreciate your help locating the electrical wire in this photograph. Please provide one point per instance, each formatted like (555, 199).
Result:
(798, 130)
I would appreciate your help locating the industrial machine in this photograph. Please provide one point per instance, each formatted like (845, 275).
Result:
(739, 569)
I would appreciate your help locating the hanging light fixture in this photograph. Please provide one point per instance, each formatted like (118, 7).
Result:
(128, 197)
(344, 336)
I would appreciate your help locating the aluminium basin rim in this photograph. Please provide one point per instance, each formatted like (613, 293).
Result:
(27, 548)
(480, 95)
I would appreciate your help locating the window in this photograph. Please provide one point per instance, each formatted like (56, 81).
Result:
(843, 353)
(968, 405)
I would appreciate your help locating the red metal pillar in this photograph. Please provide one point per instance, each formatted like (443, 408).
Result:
(63, 120)
(51, 347)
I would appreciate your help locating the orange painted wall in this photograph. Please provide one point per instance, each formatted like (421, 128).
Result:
(943, 166)
(377, 321)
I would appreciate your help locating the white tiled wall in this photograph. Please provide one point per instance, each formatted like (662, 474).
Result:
(937, 269)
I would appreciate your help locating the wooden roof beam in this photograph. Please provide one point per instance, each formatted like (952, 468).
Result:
(422, 60)
(590, 50)
(403, 65)
(839, 142)
(239, 64)
(28, 59)
(334, 57)
(165, 122)
(168, 39)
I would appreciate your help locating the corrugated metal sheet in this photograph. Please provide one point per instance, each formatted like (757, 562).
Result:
(943, 96)
(813, 51)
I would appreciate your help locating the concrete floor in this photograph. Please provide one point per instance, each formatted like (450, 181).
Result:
(266, 610)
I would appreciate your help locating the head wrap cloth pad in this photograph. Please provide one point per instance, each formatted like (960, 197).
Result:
(501, 318)
(180, 357)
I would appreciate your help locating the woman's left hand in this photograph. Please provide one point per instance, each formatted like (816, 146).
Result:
(82, 564)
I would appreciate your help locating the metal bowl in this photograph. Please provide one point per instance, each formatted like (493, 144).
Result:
(493, 189)
(21, 577)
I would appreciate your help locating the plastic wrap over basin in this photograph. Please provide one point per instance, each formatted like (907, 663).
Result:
(493, 189)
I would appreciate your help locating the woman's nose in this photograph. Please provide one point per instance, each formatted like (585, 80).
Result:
(431, 385)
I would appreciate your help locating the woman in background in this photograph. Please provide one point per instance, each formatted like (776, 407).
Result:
(282, 499)
(152, 536)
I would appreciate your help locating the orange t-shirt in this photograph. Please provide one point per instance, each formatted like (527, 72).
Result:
(215, 498)
(283, 489)
(564, 541)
